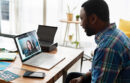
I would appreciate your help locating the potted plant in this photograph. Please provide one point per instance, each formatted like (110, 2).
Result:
(69, 13)
(77, 17)
(76, 43)
(70, 37)
(69, 16)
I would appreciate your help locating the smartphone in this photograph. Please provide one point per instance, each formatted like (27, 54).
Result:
(31, 74)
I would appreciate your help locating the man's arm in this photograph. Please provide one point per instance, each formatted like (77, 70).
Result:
(87, 77)
(82, 79)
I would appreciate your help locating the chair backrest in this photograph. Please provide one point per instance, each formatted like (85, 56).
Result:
(124, 25)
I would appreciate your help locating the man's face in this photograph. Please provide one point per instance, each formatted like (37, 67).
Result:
(86, 23)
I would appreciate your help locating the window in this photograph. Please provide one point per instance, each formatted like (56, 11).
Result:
(19, 16)
(5, 9)
(5, 16)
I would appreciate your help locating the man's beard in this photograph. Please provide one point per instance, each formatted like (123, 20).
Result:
(88, 30)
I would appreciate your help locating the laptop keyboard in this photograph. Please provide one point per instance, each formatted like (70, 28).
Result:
(44, 60)
(39, 59)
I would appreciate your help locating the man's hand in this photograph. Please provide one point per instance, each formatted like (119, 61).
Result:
(76, 80)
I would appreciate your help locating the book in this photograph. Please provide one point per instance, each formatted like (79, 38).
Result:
(8, 56)
(4, 65)
(8, 76)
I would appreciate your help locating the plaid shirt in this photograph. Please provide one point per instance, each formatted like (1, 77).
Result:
(111, 61)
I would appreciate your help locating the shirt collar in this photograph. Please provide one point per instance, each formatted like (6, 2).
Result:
(99, 36)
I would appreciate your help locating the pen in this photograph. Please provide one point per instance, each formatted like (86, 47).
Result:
(23, 69)
(5, 50)
(2, 49)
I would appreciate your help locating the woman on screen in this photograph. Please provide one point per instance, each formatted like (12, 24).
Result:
(29, 45)
(30, 48)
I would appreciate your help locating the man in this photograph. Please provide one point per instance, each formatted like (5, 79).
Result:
(111, 60)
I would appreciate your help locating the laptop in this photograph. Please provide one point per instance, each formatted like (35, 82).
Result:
(46, 34)
(31, 54)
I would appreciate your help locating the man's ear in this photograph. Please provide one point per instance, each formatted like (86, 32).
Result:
(93, 19)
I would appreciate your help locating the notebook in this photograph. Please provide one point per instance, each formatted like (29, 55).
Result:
(31, 54)
(4, 65)
(7, 56)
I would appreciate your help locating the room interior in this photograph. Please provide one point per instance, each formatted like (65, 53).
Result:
(20, 16)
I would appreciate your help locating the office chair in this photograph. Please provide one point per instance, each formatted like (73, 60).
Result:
(87, 57)
(124, 25)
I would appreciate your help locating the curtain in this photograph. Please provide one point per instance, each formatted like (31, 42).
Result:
(29, 15)
(54, 14)
(0, 16)
(26, 15)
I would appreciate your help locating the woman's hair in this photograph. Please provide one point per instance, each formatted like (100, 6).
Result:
(29, 43)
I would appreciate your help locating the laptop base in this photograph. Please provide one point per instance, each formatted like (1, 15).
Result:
(44, 60)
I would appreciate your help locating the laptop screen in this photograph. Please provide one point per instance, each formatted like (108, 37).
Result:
(28, 44)
(46, 33)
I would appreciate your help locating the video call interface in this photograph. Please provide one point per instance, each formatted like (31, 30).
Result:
(28, 45)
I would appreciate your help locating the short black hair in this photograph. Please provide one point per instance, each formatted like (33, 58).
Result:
(98, 7)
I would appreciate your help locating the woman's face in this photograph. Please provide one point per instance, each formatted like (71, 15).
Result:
(29, 45)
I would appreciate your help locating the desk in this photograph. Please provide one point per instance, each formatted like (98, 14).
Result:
(71, 57)
(67, 30)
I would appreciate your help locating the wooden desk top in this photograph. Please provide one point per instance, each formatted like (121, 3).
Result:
(71, 56)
